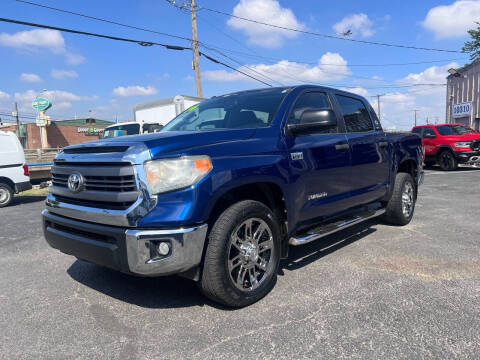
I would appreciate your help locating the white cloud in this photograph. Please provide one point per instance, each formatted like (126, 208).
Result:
(397, 107)
(4, 95)
(63, 74)
(267, 11)
(357, 23)
(30, 78)
(74, 59)
(357, 90)
(134, 91)
(288, 71)
(38, 39)
(448, 21)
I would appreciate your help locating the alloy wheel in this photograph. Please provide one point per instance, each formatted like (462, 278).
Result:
(250, 254)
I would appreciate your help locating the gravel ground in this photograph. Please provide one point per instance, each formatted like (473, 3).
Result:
(372, 291)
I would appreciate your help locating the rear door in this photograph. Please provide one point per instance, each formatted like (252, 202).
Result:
(319, 163)
(369, 151)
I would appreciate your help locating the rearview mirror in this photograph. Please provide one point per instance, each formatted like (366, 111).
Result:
(312, 121)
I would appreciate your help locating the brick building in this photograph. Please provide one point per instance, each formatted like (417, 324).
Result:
(61, 133)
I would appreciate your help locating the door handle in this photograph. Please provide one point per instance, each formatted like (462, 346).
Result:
(383, 144)
(341, 147)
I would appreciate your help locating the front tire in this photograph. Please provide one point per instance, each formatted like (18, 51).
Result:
(401, 206)
(242, 256)
(6, 195)
(447, 161)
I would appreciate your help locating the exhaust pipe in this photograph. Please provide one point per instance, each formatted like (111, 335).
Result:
(474, 159)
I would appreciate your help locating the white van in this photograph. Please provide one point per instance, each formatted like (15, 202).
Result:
(14, 176)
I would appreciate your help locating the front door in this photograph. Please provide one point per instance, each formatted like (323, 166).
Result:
(319, 164)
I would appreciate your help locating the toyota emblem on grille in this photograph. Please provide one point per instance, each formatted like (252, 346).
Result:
(76, 182)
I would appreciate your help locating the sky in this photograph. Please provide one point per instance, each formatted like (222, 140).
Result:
(105, 79)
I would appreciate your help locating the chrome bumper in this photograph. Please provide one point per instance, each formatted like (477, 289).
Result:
(186, 248)
(127, 250)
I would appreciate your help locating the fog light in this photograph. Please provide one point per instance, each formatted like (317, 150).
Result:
(163, 248)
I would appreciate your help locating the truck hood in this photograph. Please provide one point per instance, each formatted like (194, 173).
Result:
(171, 142)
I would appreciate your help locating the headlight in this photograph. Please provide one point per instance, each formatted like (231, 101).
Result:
(463, 144)
(178, 173)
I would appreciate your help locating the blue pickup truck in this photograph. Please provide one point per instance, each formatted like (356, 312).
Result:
(227, 186)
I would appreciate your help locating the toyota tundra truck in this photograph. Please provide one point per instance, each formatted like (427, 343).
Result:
(220, 194)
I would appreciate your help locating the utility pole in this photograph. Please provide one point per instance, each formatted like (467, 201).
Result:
(18, 121)
(196, 55)
(378, 105)
(415, 111)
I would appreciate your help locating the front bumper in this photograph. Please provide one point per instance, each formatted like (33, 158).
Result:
(23, 186)
(467, 156)
(126, 250)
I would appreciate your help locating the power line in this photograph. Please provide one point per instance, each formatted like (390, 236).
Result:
(104, 20)
(330, 36)
(110, 37)
(224, 49)
(231, 67)
(140, 42)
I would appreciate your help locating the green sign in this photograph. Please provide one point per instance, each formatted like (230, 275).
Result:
(41, 104)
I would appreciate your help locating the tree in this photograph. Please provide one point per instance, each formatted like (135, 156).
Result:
(473, 47)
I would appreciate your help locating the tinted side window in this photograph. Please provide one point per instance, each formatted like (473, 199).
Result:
(428, 131)
(310, 101)
(355, 114)
(417, 131)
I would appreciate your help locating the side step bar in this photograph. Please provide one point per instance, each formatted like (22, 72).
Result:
(331, 228)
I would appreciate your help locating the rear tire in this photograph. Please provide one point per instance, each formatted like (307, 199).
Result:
(401, 206)
(242, 256)
(447, 160)
(6, 194)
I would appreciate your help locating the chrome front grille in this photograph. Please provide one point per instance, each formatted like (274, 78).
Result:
(100, 183)
(106, 185)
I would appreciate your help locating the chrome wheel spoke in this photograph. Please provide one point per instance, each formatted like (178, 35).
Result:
(266, 245)
(241, 276)
(233, 263)
(259, 232)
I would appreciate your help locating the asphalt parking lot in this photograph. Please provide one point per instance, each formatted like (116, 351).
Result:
(372, 291)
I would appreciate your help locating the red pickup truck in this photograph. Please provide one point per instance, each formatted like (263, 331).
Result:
(449, 144)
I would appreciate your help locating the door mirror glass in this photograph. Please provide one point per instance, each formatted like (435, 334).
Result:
(313, 121)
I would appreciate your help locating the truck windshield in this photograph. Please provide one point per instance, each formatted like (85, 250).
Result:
(454, 130)
(252, 109)
(122, 130)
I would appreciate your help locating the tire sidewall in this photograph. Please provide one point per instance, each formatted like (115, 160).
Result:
(254, 210)
(9, 194)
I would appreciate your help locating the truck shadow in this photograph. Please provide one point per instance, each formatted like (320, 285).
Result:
(178, 292)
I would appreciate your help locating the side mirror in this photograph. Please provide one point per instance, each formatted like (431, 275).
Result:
(313, 121)
(429, 136)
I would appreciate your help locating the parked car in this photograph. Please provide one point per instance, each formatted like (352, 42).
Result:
(449, 144)
(223, 190)
(14, 176)
(131, 128)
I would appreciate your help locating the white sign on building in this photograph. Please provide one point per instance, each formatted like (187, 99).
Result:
(462, 109)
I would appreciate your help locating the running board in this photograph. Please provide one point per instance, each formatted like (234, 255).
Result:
(331, 228)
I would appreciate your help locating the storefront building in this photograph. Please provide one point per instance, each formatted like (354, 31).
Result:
(61, 133)
(463, 95)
